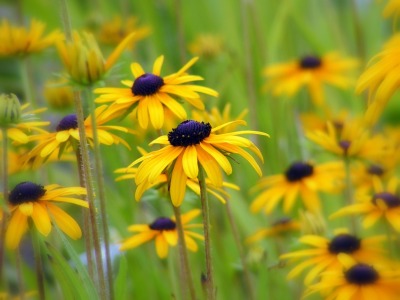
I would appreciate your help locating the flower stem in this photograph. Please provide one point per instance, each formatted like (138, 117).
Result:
(18, 268)
(390, 239)
(102, 197)
(3, 205)
(209, 278)
(348, 191)
(26, 82)
(186, 276)
(180, 30)
(236, 237)
(38, 262)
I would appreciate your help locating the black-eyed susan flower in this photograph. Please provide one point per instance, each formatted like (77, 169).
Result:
(152, 94)
(302, 179)
(384, 203)
(363, 173)
(193, 184)
(84, 60)
(355, 280)
(165, 234)
(19, 128)
(281, 227)
(192, 145)
(67, 136)
(312, 72)
(19, 40)
(31, 200)
(322, 253)
(114, 31)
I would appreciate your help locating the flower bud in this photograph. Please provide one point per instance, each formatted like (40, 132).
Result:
(10, 109)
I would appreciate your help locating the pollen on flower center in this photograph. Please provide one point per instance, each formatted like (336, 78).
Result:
(147, 84)
(361, 274)
(189, 133)
(390, 200)
(344, 243)
(26, 192)
(163, 224)
(68, 122)
(298, 170)
(310, 62)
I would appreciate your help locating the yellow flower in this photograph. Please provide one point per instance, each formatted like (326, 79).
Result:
(58, 94)
(384, 203)
(83, 59)
(18, 40)
(322, 253)
(152, 94)
(30, 200)
(189, 145)
(67, 136)
(381, 79)
(207, 45)
(115, 30)
(358, 281)
(164, 232)
(280, 227)
(312, 72)
(300, 178)
(392, 8)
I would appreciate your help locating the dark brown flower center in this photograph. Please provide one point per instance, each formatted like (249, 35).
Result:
(68, 122)
(390, 200)
(344, 243)
(163, 224)
(189, 133)
(361, 274)
(345, 145)
(298, 170)
(310, 62)
(26, 192)
(147, 84)
(281, 221)
(375, 170)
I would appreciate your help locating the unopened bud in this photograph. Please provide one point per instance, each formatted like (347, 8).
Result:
(10, 109)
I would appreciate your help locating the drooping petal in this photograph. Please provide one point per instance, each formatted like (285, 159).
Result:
(65, 222)
(17, 226)
(41, 218)
(178, 183)
(161, 246)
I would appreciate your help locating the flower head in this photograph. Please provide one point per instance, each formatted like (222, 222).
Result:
(151, 94)
(300, 179)
(31, 200)
(312, 72)
(164, 232)
(322, 253)
(18, 40)
(190, 145)
(10, 110)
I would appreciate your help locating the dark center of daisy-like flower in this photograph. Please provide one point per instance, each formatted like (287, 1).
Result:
(345, 145)
(189, 133)
(282, 221)
(344, 243)
(298, 170)
(163, 224)
(147, 84)
(390, 200)
(375, 170)
(26, 192)
(68, 122)
(310, 62)
(361, 274)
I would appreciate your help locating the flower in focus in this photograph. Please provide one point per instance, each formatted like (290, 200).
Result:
(280, 227)
(114, 31)
(67, 136)
(300, 179)
(189, 145)
(18, 40)
(58, 94)
(381, 79)
(384, 203)
(164, 232)
(358, 281)
(322, 253)
(151, 94)
(208, 46)
(312, 72)
(28, 199)
(83, 59)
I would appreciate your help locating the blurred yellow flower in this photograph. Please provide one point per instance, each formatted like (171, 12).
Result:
(59, 95)
(207, 46)
(280, 227)
(392, 9)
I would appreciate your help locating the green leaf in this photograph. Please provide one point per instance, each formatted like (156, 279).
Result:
(120, 281)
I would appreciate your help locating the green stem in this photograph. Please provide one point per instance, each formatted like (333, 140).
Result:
(236, 237)
(389, 235)
(186, 281)
(18, 268)
(3, 206)
(209, 277)
(180, 30)
(38, 262)
(348, 192)
(26, 82)
(102, 195)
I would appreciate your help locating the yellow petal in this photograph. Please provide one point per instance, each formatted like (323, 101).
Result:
(178, 183)
(189, 162)
(161, 246)
(41, 219)
(65, 222)
(17, 226)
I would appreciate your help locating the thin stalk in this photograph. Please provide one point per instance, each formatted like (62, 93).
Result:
(38, 263)
(390, 238)
(18, 268)
(358, 30)
(348, 192)
(186, 281)
(3, 205)
(209, 277)
(98, 168)
(236, 237)
(26, 82)
(180, 31)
